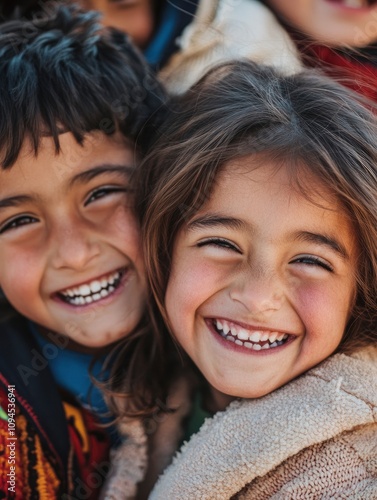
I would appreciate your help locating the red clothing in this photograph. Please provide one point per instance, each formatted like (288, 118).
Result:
(28, 465)
(359, 74)
(49, 449)
(27, 456)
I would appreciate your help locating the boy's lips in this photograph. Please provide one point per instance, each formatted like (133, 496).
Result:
(92, 290)
(251, 337)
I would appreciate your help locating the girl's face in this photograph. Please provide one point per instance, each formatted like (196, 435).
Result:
(336, 22)
(262, 281)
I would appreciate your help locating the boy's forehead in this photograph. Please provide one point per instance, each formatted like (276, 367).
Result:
(49, 169)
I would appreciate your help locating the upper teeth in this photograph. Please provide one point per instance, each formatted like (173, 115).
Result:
(243, 335)
(95, 287)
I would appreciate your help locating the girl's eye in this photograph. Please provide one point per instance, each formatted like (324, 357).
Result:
(313, 261)
(103, 192)
(23, 220)
(220, 243)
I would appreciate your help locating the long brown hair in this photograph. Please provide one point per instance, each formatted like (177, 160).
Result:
(305, 121)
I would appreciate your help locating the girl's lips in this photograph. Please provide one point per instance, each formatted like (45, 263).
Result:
(260, 348)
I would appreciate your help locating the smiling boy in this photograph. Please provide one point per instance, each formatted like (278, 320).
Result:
(60, 241)
(74, 97)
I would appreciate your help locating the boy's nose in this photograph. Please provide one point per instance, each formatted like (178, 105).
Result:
(73, 247)
(259, 292)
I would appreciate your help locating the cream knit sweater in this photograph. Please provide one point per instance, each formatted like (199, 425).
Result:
(313, 439)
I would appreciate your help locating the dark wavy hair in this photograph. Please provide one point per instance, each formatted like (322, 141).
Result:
(306, 122)
(66, 72)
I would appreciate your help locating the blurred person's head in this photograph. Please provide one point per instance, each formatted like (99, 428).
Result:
(135, 17)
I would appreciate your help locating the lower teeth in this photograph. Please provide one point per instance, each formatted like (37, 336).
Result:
(250, 345)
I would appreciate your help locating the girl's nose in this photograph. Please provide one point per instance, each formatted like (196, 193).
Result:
(74, 246)
(258, 291)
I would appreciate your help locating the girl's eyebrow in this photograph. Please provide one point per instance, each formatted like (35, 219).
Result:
(86, 176)
(215, 220)
(212, 220)
(324, 240)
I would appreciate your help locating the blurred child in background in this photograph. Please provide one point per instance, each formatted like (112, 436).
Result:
(182, 39)
(337, 35)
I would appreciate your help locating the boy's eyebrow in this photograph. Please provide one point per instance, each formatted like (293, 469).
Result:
(215, 220)
(322, 239)
(15, 201)
(81, 178)
(88, 175)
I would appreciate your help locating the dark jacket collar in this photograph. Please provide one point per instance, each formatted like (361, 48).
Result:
(24, 366)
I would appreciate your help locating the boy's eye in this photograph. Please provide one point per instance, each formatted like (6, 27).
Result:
(313, 261)
(17, 222)
(220, 243)
(103, 192)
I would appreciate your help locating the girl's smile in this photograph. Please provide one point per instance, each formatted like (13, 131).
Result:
(252, 338)
(263, 279)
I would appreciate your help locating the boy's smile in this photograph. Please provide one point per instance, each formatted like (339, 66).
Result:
(263, 279)
(340, 23)
(93, 290)
(70, 255)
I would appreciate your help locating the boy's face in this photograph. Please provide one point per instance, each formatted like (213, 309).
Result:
(262, 281)
(134, 17)
(336, 22)
(70, 256)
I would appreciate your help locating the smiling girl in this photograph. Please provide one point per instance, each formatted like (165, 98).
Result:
(260, 231)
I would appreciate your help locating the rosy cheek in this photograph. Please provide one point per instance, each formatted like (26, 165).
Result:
(20, 293)
(203, 279)
(122, 220)
(19, 266)
(123, 223)
(312, 298)
(19, 273)
(324, 310)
